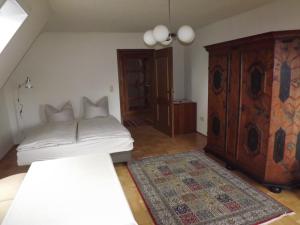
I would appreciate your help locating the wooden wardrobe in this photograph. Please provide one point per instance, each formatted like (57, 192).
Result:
(254, 106)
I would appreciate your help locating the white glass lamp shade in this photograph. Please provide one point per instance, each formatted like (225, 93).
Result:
(161, 33)
(149, 38)
(186, 34)
(168, 41)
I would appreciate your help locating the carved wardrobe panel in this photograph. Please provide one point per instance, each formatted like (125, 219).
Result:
(255, 95)
(254, 106)
(284, 142)
(217, 93)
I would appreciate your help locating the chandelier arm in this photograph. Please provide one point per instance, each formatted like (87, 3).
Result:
(161, 34)
(170, 23)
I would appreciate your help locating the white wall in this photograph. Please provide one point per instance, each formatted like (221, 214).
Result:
(68, 66)
(38, 12)
(6, 141)
(279, 15)
(178, 70)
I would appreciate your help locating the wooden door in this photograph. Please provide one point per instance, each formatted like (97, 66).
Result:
(136, 84)
(218, 73)
(163, 65)
(256, 88)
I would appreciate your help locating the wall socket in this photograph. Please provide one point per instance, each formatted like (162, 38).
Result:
(201, 118)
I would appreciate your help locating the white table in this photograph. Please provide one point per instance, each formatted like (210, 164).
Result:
(82, 190)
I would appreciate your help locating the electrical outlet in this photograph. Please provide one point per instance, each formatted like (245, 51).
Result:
(111, 88)
(201, 118)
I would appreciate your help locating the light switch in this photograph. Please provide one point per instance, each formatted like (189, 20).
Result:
(111, 88)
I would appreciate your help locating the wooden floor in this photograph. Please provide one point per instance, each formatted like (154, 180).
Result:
(150, 142)
(8, 165)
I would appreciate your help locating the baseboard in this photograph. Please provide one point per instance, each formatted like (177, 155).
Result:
(4, 153)
(204, 135)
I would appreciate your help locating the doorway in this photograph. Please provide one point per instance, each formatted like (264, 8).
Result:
(146, 88)
(136, 86)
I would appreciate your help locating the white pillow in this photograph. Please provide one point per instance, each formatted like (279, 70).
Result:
(65, 114)
(98, 109)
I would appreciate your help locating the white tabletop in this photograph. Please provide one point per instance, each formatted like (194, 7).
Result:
(82, 190)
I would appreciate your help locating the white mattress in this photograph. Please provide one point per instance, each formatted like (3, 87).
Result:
(50, 135)
(100, 135)
(106, 146)
(97, 129)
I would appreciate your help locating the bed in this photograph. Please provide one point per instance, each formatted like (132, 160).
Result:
(66, 139)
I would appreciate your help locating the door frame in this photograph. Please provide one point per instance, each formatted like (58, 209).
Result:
(120, 54)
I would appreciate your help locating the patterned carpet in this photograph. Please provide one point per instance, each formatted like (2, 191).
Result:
(191, 189)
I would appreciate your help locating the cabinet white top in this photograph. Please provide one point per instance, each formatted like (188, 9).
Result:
(81, 190)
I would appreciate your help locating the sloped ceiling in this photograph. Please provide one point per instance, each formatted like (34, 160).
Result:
(139, 15)
(111, 16)
(38, 13)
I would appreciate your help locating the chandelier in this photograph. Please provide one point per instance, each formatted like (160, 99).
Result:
(161, 34)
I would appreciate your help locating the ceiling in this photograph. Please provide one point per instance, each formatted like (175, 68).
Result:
(139, 15)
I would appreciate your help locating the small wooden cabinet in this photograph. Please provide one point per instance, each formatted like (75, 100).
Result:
(185, 117)
(254, 106)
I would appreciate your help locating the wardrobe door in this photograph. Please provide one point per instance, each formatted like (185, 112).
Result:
(233, 104)
(217, 103)
(284, 143)
(256, 87)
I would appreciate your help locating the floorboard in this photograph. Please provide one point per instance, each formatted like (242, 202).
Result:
(150, 142)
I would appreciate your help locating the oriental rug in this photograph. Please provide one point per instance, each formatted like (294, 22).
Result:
(192, 189)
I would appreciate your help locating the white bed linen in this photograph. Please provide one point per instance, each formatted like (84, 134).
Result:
(106, 146)
(82, 190)
(50, 135)
(106, 135)
(97, 129)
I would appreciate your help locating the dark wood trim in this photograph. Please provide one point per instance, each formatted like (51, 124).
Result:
(120, 54)
(120, 78)
(201, 134)
(290, 34)
(14, 146)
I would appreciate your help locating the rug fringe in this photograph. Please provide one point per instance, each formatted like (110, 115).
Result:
(277, 218)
